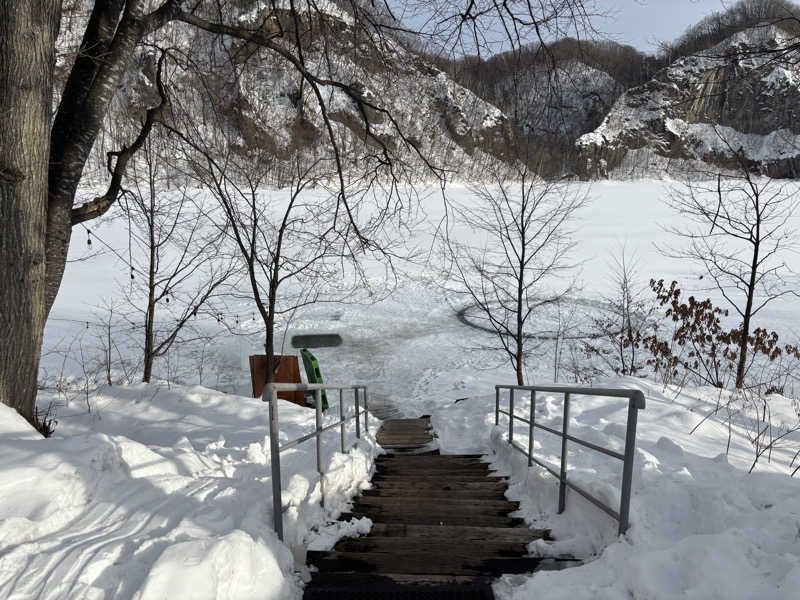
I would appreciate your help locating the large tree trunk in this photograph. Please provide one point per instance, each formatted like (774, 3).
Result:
(113, 30)
(28, 32)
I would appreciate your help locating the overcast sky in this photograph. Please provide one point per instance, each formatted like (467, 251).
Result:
(643, 23)
(640, 23)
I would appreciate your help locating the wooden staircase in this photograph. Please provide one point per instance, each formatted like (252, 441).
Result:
(441, 529)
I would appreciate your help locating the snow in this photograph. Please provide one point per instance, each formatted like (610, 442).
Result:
(719, 139)
(165, 492)
(701, 526)
(674, 114)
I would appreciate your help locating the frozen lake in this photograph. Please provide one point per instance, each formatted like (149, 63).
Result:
(410, 347)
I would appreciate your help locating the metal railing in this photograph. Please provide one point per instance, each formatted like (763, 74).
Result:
(635, 403)
(271, 395)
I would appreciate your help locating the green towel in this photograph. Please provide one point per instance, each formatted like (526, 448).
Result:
(313, 373)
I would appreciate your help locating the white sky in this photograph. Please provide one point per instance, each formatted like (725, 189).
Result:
(644, 23)
(640, 23)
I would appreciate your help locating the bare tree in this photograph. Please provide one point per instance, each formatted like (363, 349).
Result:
(291, 243)
(621, 327)
(176, 271)
(43, 153)
(741, 237)
(520, 261)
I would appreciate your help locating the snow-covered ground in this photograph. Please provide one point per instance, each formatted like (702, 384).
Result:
(701, 526)
(163, 490)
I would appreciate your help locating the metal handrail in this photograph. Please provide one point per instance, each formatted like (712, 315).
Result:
(636, 402)
(271, 395)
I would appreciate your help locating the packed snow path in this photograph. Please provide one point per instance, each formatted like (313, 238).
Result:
(440, 529)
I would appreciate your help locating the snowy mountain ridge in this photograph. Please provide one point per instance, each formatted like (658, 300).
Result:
(703, 109)
(263, 104)
(553, 108)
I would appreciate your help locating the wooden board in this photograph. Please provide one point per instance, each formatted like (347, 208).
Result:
(455, 561)
(405, 433)
(467, 532)
(288, 372)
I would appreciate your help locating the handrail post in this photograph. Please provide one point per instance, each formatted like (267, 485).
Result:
(511, 416)
(531, 420)
(627, 467)
(497, 405)
(318, 421)
(366, 411)
(342, 432)
(358, 417)
(562, 488)
(275, 460)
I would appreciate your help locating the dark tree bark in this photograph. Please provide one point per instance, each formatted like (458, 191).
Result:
(26, 81)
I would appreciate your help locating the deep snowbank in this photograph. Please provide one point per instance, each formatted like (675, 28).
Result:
(163, 493)
(701, 526)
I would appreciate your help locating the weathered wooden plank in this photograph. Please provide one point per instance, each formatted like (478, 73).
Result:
(432, 477)
(497, 494)
(412, 465)
(436, 484)
(468, 532)
(430, 457)
(477, 520)
(405, 433)
(438, 504)
(365, 579)
(482, 517)
(456, 562)
(428, 472)
(406, 545)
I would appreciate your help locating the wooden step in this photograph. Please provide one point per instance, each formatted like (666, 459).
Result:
(437, 483)
(408, 477)
(430, 458)
(523, 535)
(396, 586)
(482, 468)
(349, 579)
(449, 520)
(417, 464)
(400, 546)
(438, 504)
(491, 508)
(440, 492)
(405, 433)
(458, 561)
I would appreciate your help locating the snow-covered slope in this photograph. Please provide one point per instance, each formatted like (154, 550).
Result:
(563, 104)
(701, 526)
(163, 492)
(264, 105)
(704, 108)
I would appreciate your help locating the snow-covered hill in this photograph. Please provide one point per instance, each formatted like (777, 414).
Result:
(704, 108)
(563, 104)
(256, 100)
(164, 492)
